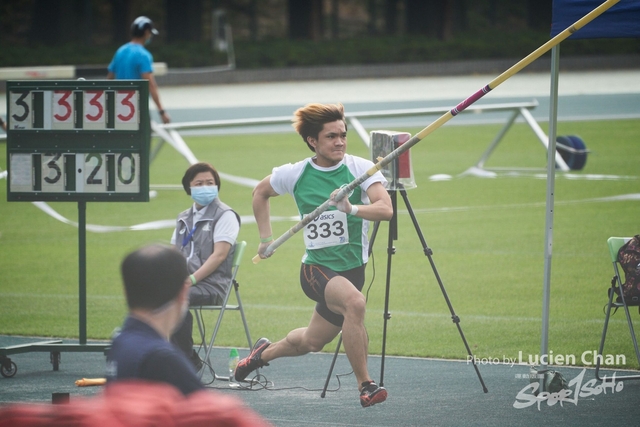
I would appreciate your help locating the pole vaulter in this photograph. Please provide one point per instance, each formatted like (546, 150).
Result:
(440, 121)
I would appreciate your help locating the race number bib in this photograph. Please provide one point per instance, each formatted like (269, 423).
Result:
(328, 229)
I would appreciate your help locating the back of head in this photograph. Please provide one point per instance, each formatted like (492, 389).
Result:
(142, 24)
(309, 120)
(153, 276)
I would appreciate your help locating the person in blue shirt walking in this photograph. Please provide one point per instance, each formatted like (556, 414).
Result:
(133, 61)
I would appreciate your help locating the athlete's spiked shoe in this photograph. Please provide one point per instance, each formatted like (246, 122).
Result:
(253, 361)
(371, 394)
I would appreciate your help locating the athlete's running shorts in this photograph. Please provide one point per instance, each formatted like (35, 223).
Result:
(314, 279)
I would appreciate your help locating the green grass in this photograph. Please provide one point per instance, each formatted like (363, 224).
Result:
(488, 248)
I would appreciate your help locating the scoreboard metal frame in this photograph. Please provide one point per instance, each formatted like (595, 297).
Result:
(78, 140)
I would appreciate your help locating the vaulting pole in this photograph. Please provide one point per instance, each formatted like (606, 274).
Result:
(442, 120)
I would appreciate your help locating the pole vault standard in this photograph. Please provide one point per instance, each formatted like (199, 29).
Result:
(440, 121)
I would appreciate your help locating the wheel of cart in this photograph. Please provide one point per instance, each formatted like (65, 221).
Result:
(8, 368)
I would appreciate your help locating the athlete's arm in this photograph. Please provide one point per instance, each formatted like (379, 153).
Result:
(220, 252)
(155, 95)
(225, 235)
(262, 211)
(379, 209)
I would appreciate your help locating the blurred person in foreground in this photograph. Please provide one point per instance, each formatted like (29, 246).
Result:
(132, 61)
(332, 270)
(156, 285)
(150, 381)
(205, 234)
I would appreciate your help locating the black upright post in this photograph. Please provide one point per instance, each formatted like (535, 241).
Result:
(82, 271)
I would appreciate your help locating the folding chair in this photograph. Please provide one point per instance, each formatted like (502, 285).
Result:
(237, 258)
(615, 243)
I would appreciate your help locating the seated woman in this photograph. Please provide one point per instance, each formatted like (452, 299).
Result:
(205, 234)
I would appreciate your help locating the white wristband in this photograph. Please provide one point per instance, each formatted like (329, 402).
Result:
(354, 210)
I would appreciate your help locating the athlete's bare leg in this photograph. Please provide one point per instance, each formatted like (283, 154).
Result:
(342, 298)
(303, 340)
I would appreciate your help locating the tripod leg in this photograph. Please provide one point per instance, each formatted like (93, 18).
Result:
(391, 250)
(333, 363)
(428, 252)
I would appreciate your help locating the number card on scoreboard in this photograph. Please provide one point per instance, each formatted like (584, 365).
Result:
(77, 140)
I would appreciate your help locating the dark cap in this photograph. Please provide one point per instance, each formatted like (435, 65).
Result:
(141, 24)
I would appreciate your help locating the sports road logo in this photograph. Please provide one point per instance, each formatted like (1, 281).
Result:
(575, 389)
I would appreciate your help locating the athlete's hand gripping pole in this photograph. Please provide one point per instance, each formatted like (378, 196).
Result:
(519, 66)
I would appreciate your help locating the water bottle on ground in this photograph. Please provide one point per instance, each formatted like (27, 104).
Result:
(234, 358)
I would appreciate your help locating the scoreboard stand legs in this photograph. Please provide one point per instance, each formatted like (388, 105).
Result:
(8, 367)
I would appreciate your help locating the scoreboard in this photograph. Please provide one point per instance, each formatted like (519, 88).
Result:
(77, 140)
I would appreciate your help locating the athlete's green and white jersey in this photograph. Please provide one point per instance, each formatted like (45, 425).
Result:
(333, 239)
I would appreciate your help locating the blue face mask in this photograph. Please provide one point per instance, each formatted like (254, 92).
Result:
(205, 194)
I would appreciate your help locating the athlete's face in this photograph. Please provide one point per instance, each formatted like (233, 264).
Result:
(331, 144)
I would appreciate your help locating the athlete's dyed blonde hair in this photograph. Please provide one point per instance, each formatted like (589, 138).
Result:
(309, 120)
